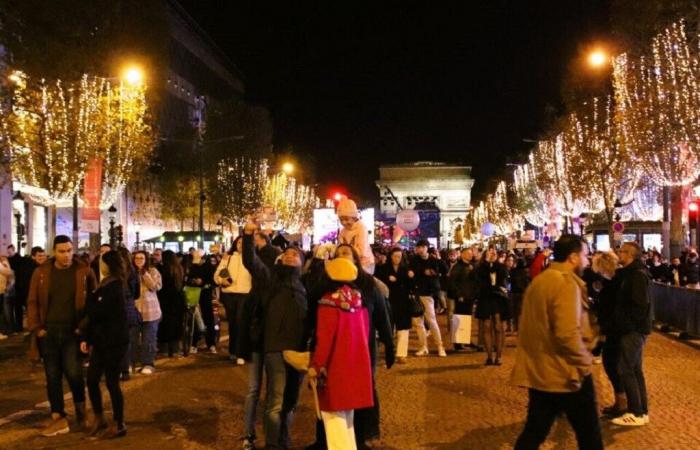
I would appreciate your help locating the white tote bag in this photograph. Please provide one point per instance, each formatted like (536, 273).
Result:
(461, 329)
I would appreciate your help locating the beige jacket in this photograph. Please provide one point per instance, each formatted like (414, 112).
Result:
(554, 336)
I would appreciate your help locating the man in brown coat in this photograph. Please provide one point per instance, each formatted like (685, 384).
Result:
(553, 359)
(55, 306)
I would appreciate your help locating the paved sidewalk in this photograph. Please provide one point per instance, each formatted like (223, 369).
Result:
(429, 403)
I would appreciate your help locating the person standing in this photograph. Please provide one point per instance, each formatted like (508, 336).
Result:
(147, 304)
(340, 360)
(425, 272)
(632, 323)
(201, 274)
(55, 306)
(106, 329)
(540, 262)
(236, 283)
(172, 303)
(133, 317)
(284, 307)
(461, 290)
(691, 271)
(492, 306)
(553, 359)
(395, 274)
(6, 310)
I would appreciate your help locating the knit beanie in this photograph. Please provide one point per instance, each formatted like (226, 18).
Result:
(348, 208)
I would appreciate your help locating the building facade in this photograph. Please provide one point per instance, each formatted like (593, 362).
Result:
(442, 192)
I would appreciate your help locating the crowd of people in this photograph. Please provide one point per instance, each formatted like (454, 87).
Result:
(337, 302)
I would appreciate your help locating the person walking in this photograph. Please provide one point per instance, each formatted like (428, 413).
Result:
(201, 274)
(172, 303)
(340, 361)
(55, 306)
(553, 359)
(149, 308)
(284, 307)
(106, 329)
(395, 274)
(425, 272)
(236, 282)
(632, 323)
(462, 288)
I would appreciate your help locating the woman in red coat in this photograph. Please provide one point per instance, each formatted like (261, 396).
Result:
(341, 359)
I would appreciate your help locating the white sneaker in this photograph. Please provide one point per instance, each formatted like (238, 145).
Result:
(442, 353)
(193, 350)
(646, 418)
(240, 361)
(423, 352)
(630, 420)
(147, 370)
(212, 349)
(3, 337)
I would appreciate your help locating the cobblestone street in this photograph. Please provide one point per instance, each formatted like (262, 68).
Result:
(429, 403)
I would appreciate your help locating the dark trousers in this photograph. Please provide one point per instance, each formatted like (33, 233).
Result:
(580, 409)
(234, 304)
(631, 374)
(131, 356)
(207, 309)
(18, 306)
(611, 360)
(109, 364)
(61, 353)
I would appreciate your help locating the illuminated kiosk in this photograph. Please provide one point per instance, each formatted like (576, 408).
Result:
(440, 191)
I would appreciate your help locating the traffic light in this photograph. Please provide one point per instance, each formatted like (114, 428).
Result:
(693, 214)
(337, 196)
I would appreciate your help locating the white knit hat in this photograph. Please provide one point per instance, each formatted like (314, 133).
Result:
(347, 208)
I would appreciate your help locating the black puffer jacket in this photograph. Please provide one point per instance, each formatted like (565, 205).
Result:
(283, 302)
(632, 311)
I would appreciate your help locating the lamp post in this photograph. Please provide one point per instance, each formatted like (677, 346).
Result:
(112, 216)
(18, 217)
(137, 229)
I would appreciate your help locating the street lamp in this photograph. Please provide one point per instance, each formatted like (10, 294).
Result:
(133, 75)
(288, 168)
(598, 58)
(19, 198)
(112, 216)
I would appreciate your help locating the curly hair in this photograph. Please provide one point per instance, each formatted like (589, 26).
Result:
(605, 263)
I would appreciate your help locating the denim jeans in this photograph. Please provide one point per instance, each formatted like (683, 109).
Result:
(131, 356)
(255, 373)
(6, 315)
(581, 411)
(631, 374)
(283, 384)
(60, 349)
(149, 342)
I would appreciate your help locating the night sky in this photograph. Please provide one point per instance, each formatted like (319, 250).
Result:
(364, 84)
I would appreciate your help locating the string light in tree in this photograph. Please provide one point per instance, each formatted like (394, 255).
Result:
(658, 107)
(647, 201)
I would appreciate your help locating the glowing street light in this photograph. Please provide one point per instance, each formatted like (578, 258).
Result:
(133, 75)
(598, 58)
(288, 168)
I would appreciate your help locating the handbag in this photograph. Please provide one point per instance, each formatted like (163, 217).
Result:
(417, 308)
(192, 294)
(224, 273)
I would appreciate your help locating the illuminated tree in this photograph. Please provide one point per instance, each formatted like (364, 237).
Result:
(52, 130)
(239, 187)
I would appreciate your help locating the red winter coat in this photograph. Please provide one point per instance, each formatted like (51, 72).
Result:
(537, 265)
(342, 332)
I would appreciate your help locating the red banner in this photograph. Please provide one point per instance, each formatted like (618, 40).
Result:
(92, 190)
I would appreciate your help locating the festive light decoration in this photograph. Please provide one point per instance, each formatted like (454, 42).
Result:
(531, 201)
(240, 186)
(647, 201)
(294, 203)
(658, 108)
(54, 128)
